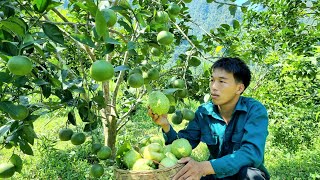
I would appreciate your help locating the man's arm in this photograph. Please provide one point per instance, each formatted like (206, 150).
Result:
(191, 133)
(252, 145)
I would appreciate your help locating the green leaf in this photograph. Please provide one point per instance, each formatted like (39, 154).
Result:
(170, 91)
(4, 129)
(90, 126)
(8, 9)
(84, 39)
(233, 10)
(41, 5)
(15, 25)
(125, 147)
(100, 101)
(109, 49)
(131, 45)
(66, 96)
(89, 6)
(72, 118)
(40, 82)
(17, 162)
(92, 7)
(82, 6)
(29, 133)
(225, 26)
(21, 81)
(53, 4)
(5, 77)
(25, 147)
(83, 112)
(101, 24)
(7, 106)
(126, 26)
(244, 9)
(117, 8)
(53, 32)
(235, 24)
(32, 118)
(141, 20)
(46, 90)
(111, 41)
(10, 48)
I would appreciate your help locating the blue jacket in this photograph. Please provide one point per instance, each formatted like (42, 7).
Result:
(240, 143)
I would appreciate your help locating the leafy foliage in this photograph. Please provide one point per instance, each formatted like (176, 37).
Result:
(279, 39)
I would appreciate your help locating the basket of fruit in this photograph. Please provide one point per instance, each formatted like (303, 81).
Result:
(156, 174)
(152, 160)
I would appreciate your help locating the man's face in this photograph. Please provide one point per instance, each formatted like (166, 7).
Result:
(223, 87)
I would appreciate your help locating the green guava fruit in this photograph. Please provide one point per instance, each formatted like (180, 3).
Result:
(158, 102)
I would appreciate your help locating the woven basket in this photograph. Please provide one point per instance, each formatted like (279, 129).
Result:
(157, 174)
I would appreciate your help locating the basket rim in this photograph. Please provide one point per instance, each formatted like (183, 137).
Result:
(179, 165)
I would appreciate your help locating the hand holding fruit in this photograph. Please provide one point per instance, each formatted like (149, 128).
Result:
(160, 120)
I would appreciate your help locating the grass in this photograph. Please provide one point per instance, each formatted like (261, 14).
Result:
(54, 159)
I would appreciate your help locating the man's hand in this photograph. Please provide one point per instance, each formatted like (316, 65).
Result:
(161, 120)
(193, 170)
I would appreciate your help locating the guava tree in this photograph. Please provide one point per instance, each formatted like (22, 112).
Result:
(52, 59)
(135, 41)
(283, 39)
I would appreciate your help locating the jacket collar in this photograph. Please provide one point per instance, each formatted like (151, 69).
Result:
(210, 109)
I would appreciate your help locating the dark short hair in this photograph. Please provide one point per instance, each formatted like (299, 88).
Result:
(236, 66)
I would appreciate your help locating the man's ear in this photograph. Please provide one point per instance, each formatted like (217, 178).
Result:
(240, 88)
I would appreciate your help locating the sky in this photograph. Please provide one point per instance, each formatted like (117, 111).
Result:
(241, 1)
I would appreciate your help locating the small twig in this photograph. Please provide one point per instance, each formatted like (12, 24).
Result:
(133, 106)
(119, 34)
(64, 23)
(120, 76)
(184, 35)
(60, 15)
(25, 8)
(209, 34)
(122, 125)
(86, 48)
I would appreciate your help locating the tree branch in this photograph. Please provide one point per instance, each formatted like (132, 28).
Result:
(119, 34)
(191, 43)
(84, 47)
(133, 106)
(209, 34)
(82, 24)
(120, 76)
(60, 15)
(65, 23)
(122, 125)
(185, 36)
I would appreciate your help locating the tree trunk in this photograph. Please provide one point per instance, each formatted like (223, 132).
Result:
(111, 137)
(109, 121)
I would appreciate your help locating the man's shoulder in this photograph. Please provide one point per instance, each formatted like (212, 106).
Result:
(251, 103)
(250, 100)
(206, 107)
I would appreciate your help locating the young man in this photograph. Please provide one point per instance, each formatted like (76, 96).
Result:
(234, 128)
